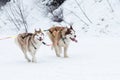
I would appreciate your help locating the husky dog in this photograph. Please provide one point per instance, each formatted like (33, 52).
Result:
(61, 37)
(30, 42)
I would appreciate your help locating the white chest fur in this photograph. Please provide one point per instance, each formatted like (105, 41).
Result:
(64, 42)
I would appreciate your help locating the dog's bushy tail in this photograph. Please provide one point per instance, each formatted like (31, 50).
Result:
(19, 41)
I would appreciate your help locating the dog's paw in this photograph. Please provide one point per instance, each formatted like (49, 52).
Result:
(29, 60)
(65, 56)
(34, 61)
(58, 55)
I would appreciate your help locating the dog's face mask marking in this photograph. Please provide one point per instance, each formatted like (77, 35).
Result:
(39, 35)
(71, 34)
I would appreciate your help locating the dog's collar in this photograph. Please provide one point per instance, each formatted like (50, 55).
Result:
(33, 45)
(63, 39)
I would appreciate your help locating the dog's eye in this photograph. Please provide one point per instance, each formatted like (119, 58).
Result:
(37, 35)
(42, 34)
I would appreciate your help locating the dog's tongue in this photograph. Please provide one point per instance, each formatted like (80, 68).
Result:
(73, 39)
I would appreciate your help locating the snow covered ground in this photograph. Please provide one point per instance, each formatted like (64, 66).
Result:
(89, 59)
(96, 56)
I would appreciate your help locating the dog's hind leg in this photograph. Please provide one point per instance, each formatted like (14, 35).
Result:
(25, 54)
(21, 43)
(60, 49)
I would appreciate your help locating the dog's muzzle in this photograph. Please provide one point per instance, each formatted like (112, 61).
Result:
(40, 37)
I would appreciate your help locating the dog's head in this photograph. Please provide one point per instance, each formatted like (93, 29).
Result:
(38, 35)
(70, 34)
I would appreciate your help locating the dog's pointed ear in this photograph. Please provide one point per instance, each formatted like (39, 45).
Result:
(40, 29)
(71, 27)
(35, 30)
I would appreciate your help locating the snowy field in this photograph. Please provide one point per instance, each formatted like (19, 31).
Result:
(89, 59)
(96, 56)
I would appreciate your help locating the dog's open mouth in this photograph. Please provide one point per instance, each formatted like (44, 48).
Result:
(73, 39)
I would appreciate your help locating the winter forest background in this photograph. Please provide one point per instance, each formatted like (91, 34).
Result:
(96, 56)
(93, 17)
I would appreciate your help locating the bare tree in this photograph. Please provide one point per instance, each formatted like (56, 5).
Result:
(83, 11)
(17, 15)
(98, 1)
(3, 21)
(110, 5)
(71, 12)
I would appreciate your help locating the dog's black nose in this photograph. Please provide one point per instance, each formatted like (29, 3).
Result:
(74, 35)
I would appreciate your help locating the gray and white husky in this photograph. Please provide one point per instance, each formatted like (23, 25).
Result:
(61, 37)
(30, 42)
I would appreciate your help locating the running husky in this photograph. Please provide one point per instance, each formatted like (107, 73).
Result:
(30, 42)
(61, 37)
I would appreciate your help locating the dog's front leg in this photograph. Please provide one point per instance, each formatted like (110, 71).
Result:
(26, 57)
(65, 51)
(57, 51)
(33, 56)
(60, 49)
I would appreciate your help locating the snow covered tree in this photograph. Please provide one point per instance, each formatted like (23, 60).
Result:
(53, 8)
(3, 2)
(54, 4)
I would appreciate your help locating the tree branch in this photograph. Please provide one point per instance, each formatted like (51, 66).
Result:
(83, 11)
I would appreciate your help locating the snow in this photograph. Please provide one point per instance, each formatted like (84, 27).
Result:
(96, 56)
(89, 59)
